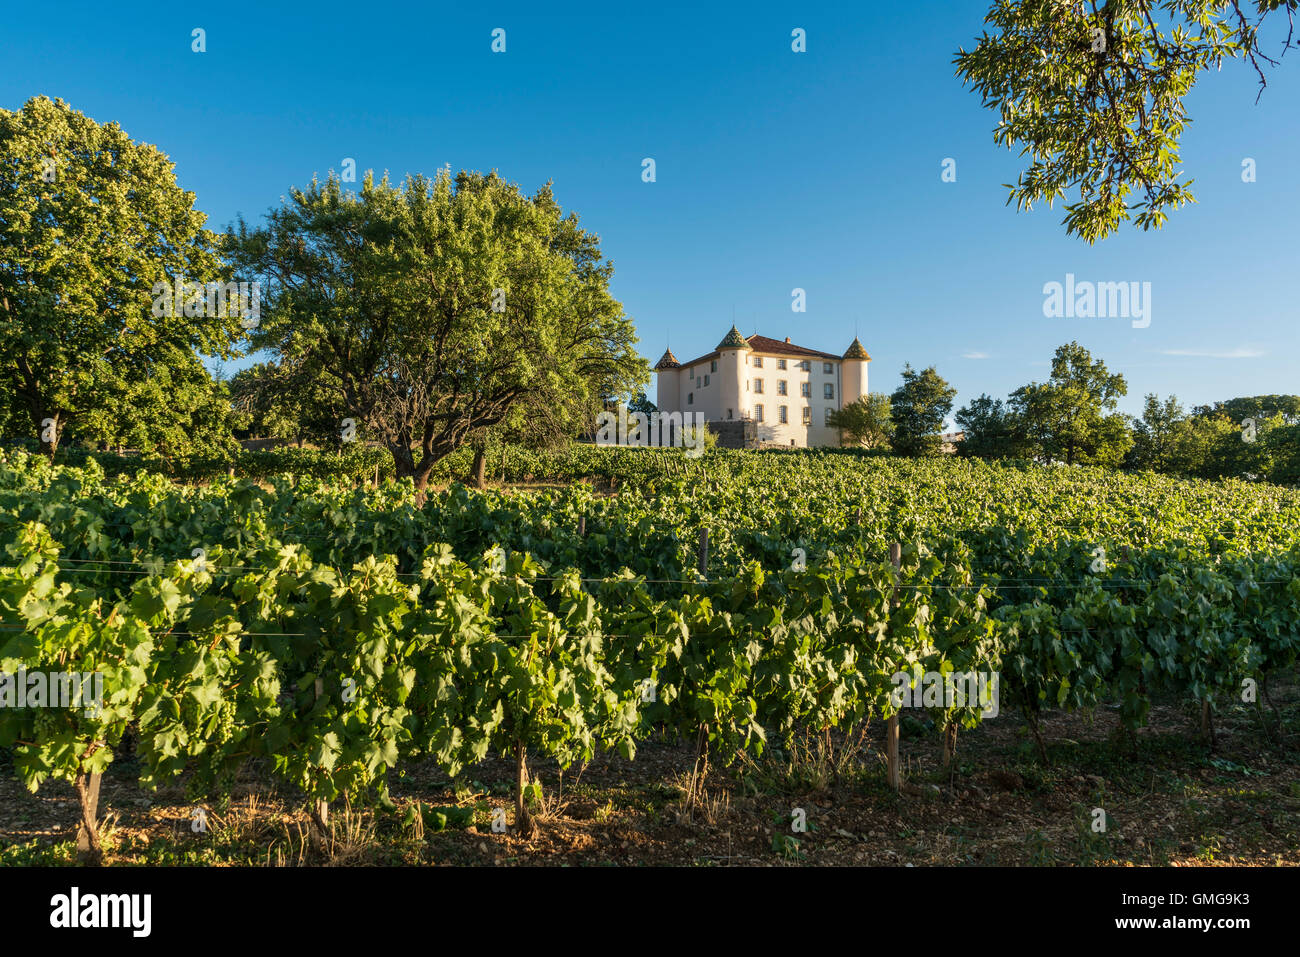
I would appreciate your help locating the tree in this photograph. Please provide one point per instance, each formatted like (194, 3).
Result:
(1229, 448)
(1070, 417)
(991, 429)
(275, 400)
(177, 410)
(1156, 434)
(89, 223)
(641, 403)
(1285, 448)
(866, 421)
(542, 419)
(434, 309)
(919, 408)
(1262, 407)
(1093, 94)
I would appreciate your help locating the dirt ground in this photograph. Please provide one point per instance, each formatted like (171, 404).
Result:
(1176, 801)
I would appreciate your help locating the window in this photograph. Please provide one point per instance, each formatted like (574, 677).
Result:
(827, 368)
(829, 391)
(758, 362)
(713, 366)
(807, 415)
(780, 363)
(758, 386)
(692, 375)
(806, 366)
(690, 398)
(805, 389)
(784, 414)
(758, 412)
(780, 387)
(828, 415)
(706, 380)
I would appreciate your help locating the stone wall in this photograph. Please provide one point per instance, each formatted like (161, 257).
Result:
(735, 433)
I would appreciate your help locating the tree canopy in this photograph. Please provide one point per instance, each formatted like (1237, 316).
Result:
(435, 309)
(991, 429)
(866, 421)
(919, 408)
(1093, 93)
(90, 222)
(1071, 418)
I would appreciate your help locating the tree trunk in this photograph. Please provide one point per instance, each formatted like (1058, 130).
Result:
(88, 849)
(478, 473)
(420, 475)
(403, 460)
(48, 424)
(524, 822)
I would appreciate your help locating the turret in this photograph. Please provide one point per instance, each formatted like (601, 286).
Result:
(853, 377)
(668, 371)
(733, 356)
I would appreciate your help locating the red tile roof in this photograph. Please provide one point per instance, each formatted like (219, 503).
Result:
(765, 345)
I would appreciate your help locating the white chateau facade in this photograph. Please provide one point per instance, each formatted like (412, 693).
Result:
(787, 391)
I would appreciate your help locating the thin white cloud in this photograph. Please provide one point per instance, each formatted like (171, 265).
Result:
(1239, 353)
(975, 355)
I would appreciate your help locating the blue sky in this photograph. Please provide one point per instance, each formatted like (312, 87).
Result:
(775, 170)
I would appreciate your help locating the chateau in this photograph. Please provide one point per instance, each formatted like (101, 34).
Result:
(773, 392)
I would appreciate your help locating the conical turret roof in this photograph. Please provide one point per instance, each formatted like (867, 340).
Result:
(669, 361)
(856, 351)
(734, 340)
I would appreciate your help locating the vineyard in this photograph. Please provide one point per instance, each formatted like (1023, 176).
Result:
(330, 634)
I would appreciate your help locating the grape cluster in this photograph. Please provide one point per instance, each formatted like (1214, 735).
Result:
(225, 726)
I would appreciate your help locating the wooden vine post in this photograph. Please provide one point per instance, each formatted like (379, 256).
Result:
(700, 768)
(891, 726)
(582, 526)
(949, 743)
(322, 806)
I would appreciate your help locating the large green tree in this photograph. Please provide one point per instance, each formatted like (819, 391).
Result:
(90, 221)
(278, 401)
(1093, 93)
(992, 430)
(1156, 434)
(434, 309)
(1071, 418)
(867, 421)
(919, 408)
(1260, 407)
